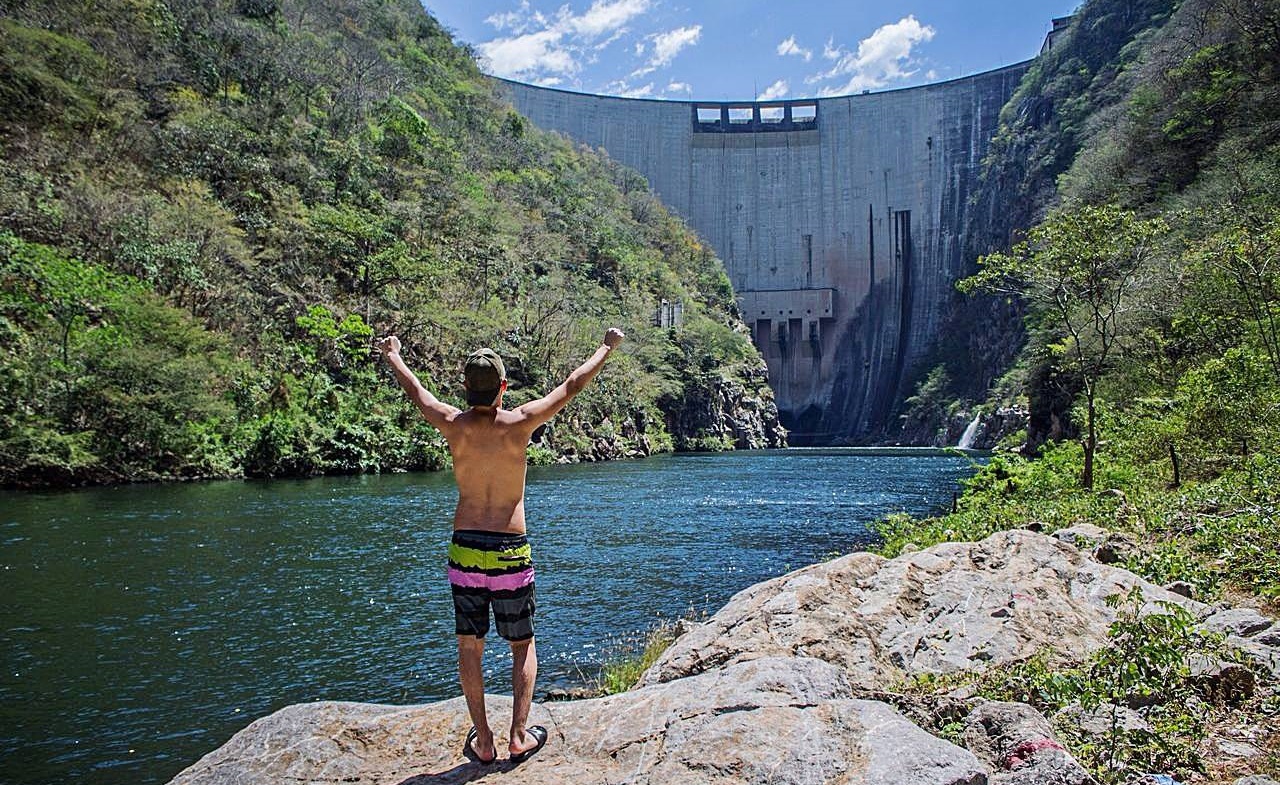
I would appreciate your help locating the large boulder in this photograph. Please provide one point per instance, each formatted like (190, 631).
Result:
(1237, 621)
(954, 607)
(770, 721)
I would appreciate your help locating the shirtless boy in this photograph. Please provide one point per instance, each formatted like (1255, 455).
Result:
(489, 558)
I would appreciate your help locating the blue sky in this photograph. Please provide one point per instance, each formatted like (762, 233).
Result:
(745, 49)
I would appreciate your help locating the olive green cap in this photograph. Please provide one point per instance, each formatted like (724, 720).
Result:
(484, 374)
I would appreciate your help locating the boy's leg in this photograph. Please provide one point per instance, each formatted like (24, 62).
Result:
(471, 674)
(524, 669)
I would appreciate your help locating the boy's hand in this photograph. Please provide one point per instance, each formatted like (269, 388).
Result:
(612, 337)
(389, 345)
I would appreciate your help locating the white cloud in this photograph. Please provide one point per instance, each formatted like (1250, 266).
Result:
(680, 87)
(790, 47)
(518, 22)
(882, 57)
(606, 43)
(604, 17)
(531, 54)
(669, 44)
(540, 48)
(776, 90)
(621, 88)
(665, 47)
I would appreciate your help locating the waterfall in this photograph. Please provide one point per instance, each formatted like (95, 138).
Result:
(966, 438)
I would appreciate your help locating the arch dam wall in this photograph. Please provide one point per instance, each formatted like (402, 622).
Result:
(839, 220)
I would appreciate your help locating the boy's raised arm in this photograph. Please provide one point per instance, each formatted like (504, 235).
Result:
(545, 408)
(436, 411)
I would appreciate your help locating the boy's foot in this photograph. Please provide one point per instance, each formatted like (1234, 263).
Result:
(534, 738)
(471, 752)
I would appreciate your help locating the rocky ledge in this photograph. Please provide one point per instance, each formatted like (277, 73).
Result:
(791, 682)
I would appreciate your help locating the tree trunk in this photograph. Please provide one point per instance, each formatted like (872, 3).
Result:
(1090, 443)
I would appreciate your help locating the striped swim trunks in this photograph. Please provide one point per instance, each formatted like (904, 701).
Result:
(491, 568)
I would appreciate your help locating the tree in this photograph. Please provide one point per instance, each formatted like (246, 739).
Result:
(1078, 269)
(1236, 281)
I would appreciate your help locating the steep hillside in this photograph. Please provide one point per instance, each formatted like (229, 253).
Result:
(1046, 122)
(1177, 119)
(208, 209)
(1150, 284)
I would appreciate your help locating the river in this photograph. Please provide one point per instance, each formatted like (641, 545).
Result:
(144, 625)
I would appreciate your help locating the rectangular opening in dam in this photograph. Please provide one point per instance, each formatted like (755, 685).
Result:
(722, 118)
(804, 113)
(707, 115)
(776, 304)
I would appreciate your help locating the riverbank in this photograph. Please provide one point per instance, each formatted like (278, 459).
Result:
(821, 674)
(722, 411)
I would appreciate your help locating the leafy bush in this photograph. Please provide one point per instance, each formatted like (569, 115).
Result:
(109, 382)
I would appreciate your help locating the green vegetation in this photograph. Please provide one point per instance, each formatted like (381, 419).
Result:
(1147, 664)
(1150, 286)
(209, 208)
(631, 658)
(1077, 269)
(1152, 299)
(623, 671)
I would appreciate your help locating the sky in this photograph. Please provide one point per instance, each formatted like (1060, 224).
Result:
(739, 50)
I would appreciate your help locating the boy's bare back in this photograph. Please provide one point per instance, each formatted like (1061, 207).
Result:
(488, 448)
(488, 443)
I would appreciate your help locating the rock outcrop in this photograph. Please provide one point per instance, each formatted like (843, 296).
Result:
(727, 410)
(1019, 746)
(788, 683)
(951, 608)
(776, 721)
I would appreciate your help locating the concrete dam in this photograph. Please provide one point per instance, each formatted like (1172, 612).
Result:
(839, 220)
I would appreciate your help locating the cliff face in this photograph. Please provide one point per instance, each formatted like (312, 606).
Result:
(788, 683)
(729, 411)
(838, 220)
(1067, 98)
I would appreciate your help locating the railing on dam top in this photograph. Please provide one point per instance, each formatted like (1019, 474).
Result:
(721, 118)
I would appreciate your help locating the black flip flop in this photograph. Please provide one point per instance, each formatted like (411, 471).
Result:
(539, 733)
(469, 752)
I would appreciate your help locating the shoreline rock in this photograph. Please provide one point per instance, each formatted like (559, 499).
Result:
(950, 608)
(789, 721)
(789, 684)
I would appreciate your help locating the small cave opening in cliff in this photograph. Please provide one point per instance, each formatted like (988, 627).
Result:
(803, 426)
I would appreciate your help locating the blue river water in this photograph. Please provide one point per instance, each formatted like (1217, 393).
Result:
(143, 625)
